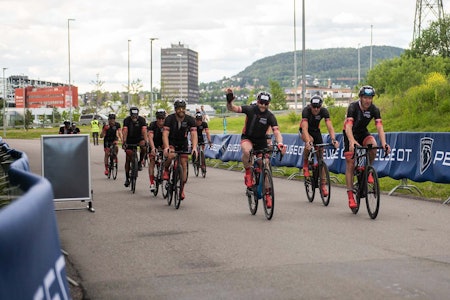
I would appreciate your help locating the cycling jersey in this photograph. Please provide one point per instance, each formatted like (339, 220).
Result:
(361, 119)
(157, 133)
(256, 125)
(314, 122)
(110, 133)
(134, 135)
(178, 131)
(200, 129)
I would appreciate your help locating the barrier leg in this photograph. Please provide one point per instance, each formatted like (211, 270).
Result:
(446, 201)
(404, 185)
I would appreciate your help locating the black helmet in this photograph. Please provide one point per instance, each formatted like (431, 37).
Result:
(198, 115)
(179, 103)
(263, 97)
(160, 113)
(366, 90)
(134, 111)
(316, 101)
(111, 117)
(66, 122)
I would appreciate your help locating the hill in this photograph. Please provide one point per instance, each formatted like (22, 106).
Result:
(340, 65)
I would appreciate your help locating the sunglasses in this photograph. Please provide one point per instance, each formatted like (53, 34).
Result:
(316, 105)
(263, 102)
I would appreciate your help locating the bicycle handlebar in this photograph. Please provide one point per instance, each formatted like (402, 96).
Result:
(370, 147)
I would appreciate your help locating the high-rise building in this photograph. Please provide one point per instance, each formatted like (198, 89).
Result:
(179, 73)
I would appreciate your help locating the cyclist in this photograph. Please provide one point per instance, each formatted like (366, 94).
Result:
(257, 123)
(134, 132)
(111, 134)
(75, 129)
(359, 114)
(175, 137)
(202, 126)
(155, 130)
(66, 129)
(309, 130)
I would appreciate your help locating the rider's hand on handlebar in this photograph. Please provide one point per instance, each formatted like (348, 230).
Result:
(124, 146)
(282, 148)
(335, 143)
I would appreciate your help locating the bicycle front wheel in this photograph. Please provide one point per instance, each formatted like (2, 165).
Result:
(359, 191)
(373, 193)
(310, 185)
(325, 185)
(252, 197)
(178, 186)
(195, 164)
(203, 164)
(268, 194)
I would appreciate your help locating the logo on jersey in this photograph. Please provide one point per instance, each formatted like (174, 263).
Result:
(426, 147)
(367, 114)
(263, 121)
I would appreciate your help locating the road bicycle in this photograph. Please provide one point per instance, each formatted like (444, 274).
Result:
(112, 162)
(199, 162)
(134, 166)
(319, 175)
(365, 184)
(159, 165)
(175, 184)
(262, 188)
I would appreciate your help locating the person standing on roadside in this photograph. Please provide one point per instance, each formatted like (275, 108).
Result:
(95, 129)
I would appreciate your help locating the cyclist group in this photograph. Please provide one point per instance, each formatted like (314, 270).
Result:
(170, 134)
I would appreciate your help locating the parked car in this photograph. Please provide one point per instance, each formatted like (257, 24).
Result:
(86, 119)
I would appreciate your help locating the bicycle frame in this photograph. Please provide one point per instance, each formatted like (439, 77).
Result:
(176, 183)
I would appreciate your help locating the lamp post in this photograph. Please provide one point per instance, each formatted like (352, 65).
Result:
(181, 94)
(4, 103)
(295, 60)
(128, 86)
(359, 63)
(371, 29)
(70, 82)
(151, 77)
(303, 56)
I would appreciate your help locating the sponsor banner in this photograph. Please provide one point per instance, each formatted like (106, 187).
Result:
(415, 156)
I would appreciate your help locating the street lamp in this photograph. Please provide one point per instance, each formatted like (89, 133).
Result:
(4, 103)
(303, 57)
(128, 97)
(181, 94)
(359, 63)
(70, 82)
(151, 77)
(295, 60)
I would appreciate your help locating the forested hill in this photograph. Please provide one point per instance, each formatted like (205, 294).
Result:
(338, 64)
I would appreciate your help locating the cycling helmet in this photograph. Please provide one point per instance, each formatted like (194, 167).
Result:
(134, 111)
(198, 116)
(160, 113)
(316, 101)
(366, 90)
(66, 122)
(111, 117)
(263, 97)
(179, 103)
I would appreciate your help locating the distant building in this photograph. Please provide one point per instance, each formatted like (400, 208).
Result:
(58, 96)
(179, 73)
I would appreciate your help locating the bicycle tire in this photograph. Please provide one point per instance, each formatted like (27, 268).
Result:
(373, 194)
(114, 170)
(134, 172)
(310, 184)
(268, 186)
(203, 163)
(178, 186)
(252, 196)
(195, 164)
(357, 192)
(157, 178)
(323, 168)
(110, 167)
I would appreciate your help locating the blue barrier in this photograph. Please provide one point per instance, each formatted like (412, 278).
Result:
(416, 156)
(31, 263)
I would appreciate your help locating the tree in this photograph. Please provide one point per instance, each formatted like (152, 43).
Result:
(433, 41)
(278, 96)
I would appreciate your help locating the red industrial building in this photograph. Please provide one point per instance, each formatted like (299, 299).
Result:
(55, 96)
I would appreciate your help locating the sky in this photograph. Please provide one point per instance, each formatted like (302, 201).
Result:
(228, 35)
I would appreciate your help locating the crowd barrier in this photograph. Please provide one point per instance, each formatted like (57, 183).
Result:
(31, 262)
(416, 156)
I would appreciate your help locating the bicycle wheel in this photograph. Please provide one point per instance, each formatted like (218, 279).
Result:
(252, 197)
(195, 164)
(358, 191)
(166, 188)
(178, 186)
(310, 184)
(324, 183)
(268, 198)
(114, 170)
(373, 193)
(110, 167)
(134, 173)
(157, 178)
(202, 163)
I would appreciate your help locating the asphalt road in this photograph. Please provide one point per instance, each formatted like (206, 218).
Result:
(137, 247)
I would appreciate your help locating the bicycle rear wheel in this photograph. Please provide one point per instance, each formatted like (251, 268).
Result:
(310, 185)
(178, 186)
(373, 193)
(268, 194)
(324, 183)
(110, 167)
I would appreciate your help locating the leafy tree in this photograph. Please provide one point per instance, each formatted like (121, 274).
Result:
(433, 41)
(278, 96)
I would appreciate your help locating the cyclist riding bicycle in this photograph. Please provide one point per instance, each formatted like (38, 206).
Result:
(134, 132)
(155, 130)
(257, 123)
(175, 138)
(111, 134)
(309, 130)
(202, 126)
(359, 114)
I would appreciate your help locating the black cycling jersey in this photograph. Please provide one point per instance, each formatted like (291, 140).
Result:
(134, 135)
(257, 122)
(361, 118)
(157, 133)
(314, 121)
(178, 130)
(200, 129)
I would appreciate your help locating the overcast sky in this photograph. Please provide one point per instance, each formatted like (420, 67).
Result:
(228, 35)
